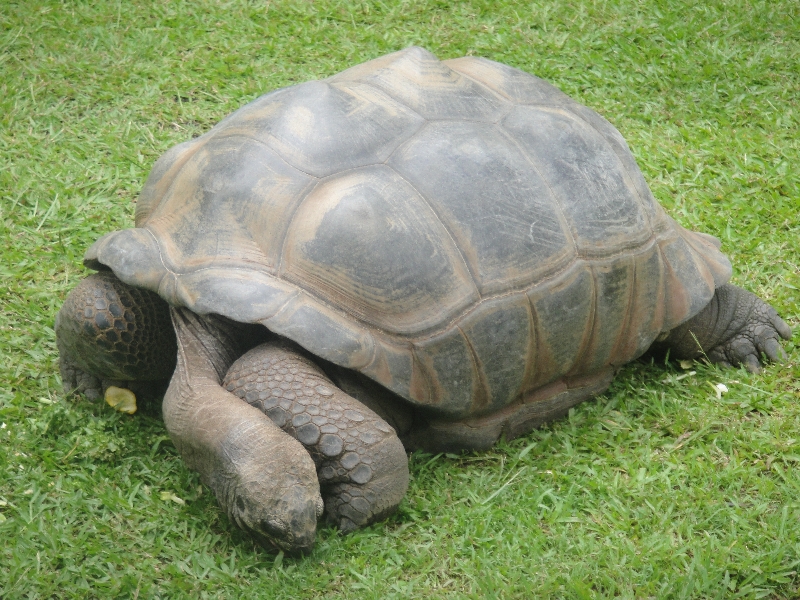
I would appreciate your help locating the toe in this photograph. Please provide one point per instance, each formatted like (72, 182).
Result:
(68, 380)
(773, 350)
(717, 356)
(751, 363)
(740, 349)
(89, 385)
(781, 327)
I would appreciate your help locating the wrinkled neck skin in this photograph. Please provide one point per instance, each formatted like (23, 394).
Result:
(264, 479)
(221, 340)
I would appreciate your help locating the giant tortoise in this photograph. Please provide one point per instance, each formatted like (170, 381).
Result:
(409, 254)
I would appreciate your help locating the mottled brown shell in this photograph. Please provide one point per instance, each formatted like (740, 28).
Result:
(460, 231)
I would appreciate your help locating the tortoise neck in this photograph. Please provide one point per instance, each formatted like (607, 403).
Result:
(220, 340)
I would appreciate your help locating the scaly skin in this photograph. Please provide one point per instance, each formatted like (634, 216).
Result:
(109, 333)
(736, 328)
(361, 464)
(266, 478)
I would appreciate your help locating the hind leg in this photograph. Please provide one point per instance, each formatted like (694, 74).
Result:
(736, 328)
(361, 465)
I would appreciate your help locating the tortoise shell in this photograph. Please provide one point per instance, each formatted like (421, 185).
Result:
(460, 231)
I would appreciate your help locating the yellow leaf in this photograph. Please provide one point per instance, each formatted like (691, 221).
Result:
(121, 399)
(167, 495)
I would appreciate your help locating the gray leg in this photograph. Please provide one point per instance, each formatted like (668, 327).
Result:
(361, 464)
(736, 328)
(109, 333)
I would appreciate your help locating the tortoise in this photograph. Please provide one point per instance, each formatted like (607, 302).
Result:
(411, 254)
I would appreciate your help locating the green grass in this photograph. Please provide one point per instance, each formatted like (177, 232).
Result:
(659, 488)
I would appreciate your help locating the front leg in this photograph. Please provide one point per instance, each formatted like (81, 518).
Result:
(736, 328)
(263, 478)
(361, 463)
(109, 333)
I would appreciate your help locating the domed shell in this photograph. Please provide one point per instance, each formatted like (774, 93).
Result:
(460, 231)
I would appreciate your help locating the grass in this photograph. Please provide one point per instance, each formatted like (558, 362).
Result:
(660, 488)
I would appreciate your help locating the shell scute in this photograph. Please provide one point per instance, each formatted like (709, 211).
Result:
(629, 169)
(367, 242)
(327, 331)
(517, 86)
(646, 311)
(585, 176)
(230, 206)
(322, 128)
(688, 276)
(160, 179)
(614, 282)
(491, 199)
(563, 310)
(429, 87)
(446, 375)
(506, 323)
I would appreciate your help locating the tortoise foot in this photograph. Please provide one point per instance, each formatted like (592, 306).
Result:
(361, 464)
(77, 381)
(756, 333)
(737, 328)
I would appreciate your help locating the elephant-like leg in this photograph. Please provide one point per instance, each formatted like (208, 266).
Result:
(735, 328)
(361, 463)
(109, 333)
(263, 478)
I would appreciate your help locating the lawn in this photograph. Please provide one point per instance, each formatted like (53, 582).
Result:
(663, 487)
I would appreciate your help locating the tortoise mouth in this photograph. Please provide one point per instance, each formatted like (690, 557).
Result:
(292, 526)
(296, 545)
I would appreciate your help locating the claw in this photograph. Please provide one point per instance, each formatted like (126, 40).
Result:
(740, 348)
